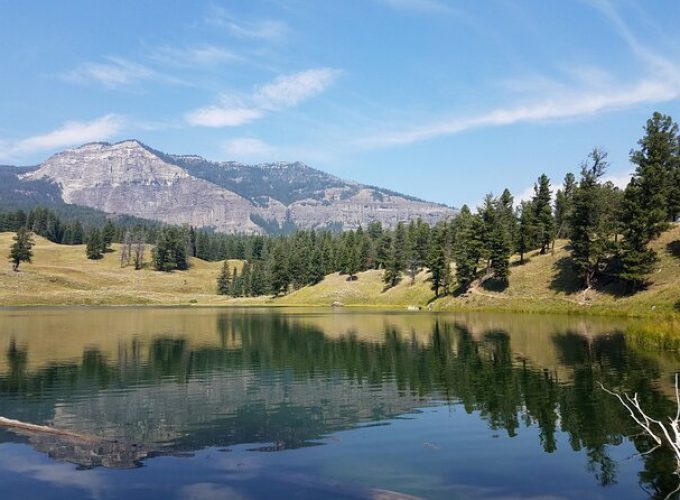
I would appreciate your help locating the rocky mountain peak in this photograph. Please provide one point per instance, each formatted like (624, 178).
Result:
(129, 177)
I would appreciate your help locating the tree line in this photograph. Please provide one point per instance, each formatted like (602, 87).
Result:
(609, 231)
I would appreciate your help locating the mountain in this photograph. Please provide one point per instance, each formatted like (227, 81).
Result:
(133, 179)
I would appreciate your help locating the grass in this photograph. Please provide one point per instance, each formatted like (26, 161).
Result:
(547, 283)
(61, 275)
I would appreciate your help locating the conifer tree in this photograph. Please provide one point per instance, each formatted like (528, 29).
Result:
(436, 260)
(645, 210)
(563, 205)
(21, 249)
(280, 277)
(543, 217)
(224, 280)
(590, 231)
(93, 250)
(107, 234)
(526, 229)
(467, 249)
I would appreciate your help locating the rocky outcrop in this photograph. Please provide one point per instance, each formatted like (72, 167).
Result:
(133, 179)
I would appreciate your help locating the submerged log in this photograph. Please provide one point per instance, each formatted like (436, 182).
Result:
(18, 425)
(85, 450)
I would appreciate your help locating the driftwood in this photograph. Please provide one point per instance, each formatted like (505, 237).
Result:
(663, 433)
(18, 425)
(85, 450)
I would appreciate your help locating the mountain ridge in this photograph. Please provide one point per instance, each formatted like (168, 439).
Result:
(129, 177)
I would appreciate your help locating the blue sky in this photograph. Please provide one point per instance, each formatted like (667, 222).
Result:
(445, 100)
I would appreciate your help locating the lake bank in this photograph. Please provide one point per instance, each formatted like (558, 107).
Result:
(61, 275)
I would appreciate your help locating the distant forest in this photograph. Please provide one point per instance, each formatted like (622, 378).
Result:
(609, 230)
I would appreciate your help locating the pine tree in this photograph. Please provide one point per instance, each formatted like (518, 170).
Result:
(526, 231)
(501, 238)
(436, 259)
(590, 227)
(646, 199)
(171, 250)
(280, 277)
(107, 234)
(563, 206)
(21, 250)
(224, 280)
(543, 217)
(467, 249)
(93, 250)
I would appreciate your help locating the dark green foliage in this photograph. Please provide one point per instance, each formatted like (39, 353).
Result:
(108, 233)
(21, 249)
(224, 281)
(468, 247)
(564, 205)
(648, 202)
(93, 250)
(526, 230)
(170, 252)
(279, 273)
(543, 217)
(501, 238)
(437, 260)
(591, 229)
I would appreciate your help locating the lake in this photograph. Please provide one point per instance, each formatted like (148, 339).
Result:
(307, 403)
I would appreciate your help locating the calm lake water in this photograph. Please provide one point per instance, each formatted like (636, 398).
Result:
(304, 403)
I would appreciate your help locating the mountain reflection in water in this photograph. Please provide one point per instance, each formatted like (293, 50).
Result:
(149, 382)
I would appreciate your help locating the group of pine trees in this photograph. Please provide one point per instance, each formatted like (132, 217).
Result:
(609, 230)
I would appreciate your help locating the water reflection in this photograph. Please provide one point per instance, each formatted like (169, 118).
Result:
(147, 382)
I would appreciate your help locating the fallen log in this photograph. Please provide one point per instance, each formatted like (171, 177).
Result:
(18, 425)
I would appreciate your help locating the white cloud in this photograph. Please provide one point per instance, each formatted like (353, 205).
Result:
(565, 106)
(69, 134)
(216, 116)
(116, 72)
(204, 55)
(284, 92)
(290, 90)
(248, 148)
(620, 180)
(267, 29)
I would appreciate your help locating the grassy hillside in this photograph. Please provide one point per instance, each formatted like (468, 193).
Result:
(61, 274)
(547, 283)
(544, 283)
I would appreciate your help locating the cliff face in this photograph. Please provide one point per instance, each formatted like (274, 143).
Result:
(130, 178)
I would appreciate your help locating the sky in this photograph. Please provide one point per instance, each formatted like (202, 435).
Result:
(444, 100)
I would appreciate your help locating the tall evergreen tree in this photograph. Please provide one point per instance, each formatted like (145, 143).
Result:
(592, 245)
(224, 280)
(21, 249)
(543, 217)
(93, 250)
(280, 277)
(107, 234)
(467, 248)
(563, 206)
(646, 202)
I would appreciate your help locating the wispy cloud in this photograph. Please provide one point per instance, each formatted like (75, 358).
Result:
(567, 106)
(267, 29)
(201, 55)
(248, 148)
(584, 91)
(290, 90)
(69, 134)
(218, 116)
(284, 92)
(115, 72)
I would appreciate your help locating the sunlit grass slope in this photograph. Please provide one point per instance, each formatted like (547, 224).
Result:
(61, 274)
(548, 283)
(544, 283)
